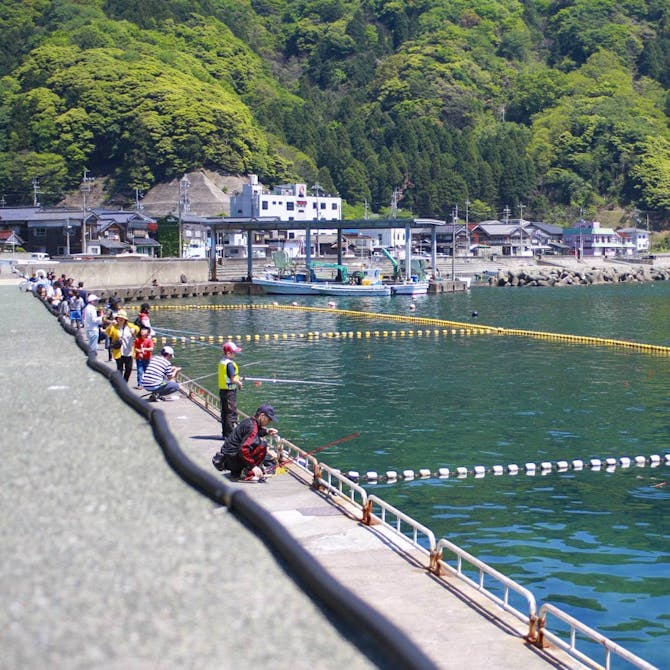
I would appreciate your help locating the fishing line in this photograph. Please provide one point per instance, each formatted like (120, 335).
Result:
(290, 381)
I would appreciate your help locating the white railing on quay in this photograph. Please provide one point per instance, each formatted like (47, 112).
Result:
(508, 585)
(403, 525)
(570, 646)
(402, 520)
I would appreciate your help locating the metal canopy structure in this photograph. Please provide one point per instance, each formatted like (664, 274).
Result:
(250, 226)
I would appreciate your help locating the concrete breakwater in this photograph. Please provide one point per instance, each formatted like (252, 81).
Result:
(565, 276)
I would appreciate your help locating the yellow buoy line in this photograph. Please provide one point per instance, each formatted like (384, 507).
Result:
(529, 469)
(439, 327)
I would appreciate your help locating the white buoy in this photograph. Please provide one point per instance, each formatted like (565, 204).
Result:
(391, 475)
(561, 465)
(331, 304)
(624, 462)
(546, 465)
(408, 474)
(655, 459)
(530, 467)
(294, 303)
(461, 471)
(443, 473)
(480, 470)
(595, 463)
(353, 475)
(497, 469)
(513, 468)
(424, 473)
(667, 459)
(412, 307)
(371, 476)
(610, 462)
(640, 461)
(577, 464)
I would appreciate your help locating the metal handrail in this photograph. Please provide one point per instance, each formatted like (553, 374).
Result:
(400, 517)
(570, 647)
(486, 570)
(335, 483)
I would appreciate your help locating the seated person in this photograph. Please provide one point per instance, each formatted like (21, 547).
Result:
(159, 375)
(243, 451)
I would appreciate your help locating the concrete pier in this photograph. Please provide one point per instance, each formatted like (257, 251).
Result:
(111, 561)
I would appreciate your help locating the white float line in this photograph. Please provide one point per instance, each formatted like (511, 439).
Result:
(530, 469)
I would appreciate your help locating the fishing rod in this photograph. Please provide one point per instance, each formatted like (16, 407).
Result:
(346, 438)
(211, 374)
(290, 381)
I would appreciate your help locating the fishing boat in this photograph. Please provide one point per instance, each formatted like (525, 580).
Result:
(323, 278)
(410, 288)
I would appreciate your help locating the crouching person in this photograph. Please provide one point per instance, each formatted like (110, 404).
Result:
(244, 450)
(159, 375)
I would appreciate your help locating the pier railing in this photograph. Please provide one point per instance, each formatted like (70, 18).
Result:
(332, 481)
(575, 626)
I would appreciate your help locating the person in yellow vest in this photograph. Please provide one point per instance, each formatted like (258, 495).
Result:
(229, 382)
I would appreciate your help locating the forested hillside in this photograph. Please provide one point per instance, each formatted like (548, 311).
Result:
(546, 107)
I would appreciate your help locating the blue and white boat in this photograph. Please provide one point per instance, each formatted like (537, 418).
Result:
(324, 278)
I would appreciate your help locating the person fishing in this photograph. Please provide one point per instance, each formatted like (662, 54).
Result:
(244, 450)
(229, 382)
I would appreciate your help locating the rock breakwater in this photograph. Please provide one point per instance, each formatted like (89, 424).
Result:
(557, 276)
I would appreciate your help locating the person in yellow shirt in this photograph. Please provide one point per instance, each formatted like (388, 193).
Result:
(121, 335)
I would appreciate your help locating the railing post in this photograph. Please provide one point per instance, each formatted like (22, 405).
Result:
(539, 640)
(533, 625)
(367, 513)
(316, 480)
(435, 565)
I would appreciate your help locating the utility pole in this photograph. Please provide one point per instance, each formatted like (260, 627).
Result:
(138, 198)
(67, 236)
(36, 192)
(467, 227)
(316, 191)
(85, 189)
(454, 223)
(184, 206)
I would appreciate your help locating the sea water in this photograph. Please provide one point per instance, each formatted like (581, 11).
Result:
(596, 543)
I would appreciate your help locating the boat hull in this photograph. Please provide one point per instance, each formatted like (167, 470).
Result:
(410, 288)
(288, 287)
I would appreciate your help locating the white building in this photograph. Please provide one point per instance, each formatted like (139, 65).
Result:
(287, 202)
(639, 238)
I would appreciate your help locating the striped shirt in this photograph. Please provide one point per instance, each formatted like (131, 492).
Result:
(159, 369)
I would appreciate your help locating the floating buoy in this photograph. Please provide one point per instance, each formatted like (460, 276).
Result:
(624, 462)
(443, 472)
(371, 476)
(408, 474)
(480, 470)
(610, 462)
(424, 473)
(595, 463)
(640, 460)
(461, 472)
(546, 465)
(577, 464)
(562, 465)
(530, 468)
(353, 475)
(475, 315)
(391, 475)
(331, 304)
(497, 470)
(654, 459)
(513, 468)
(667, 459)
(294, 303)
(412, 307)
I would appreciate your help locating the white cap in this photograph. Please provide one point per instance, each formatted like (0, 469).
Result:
(92, 298)
(167, 350)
